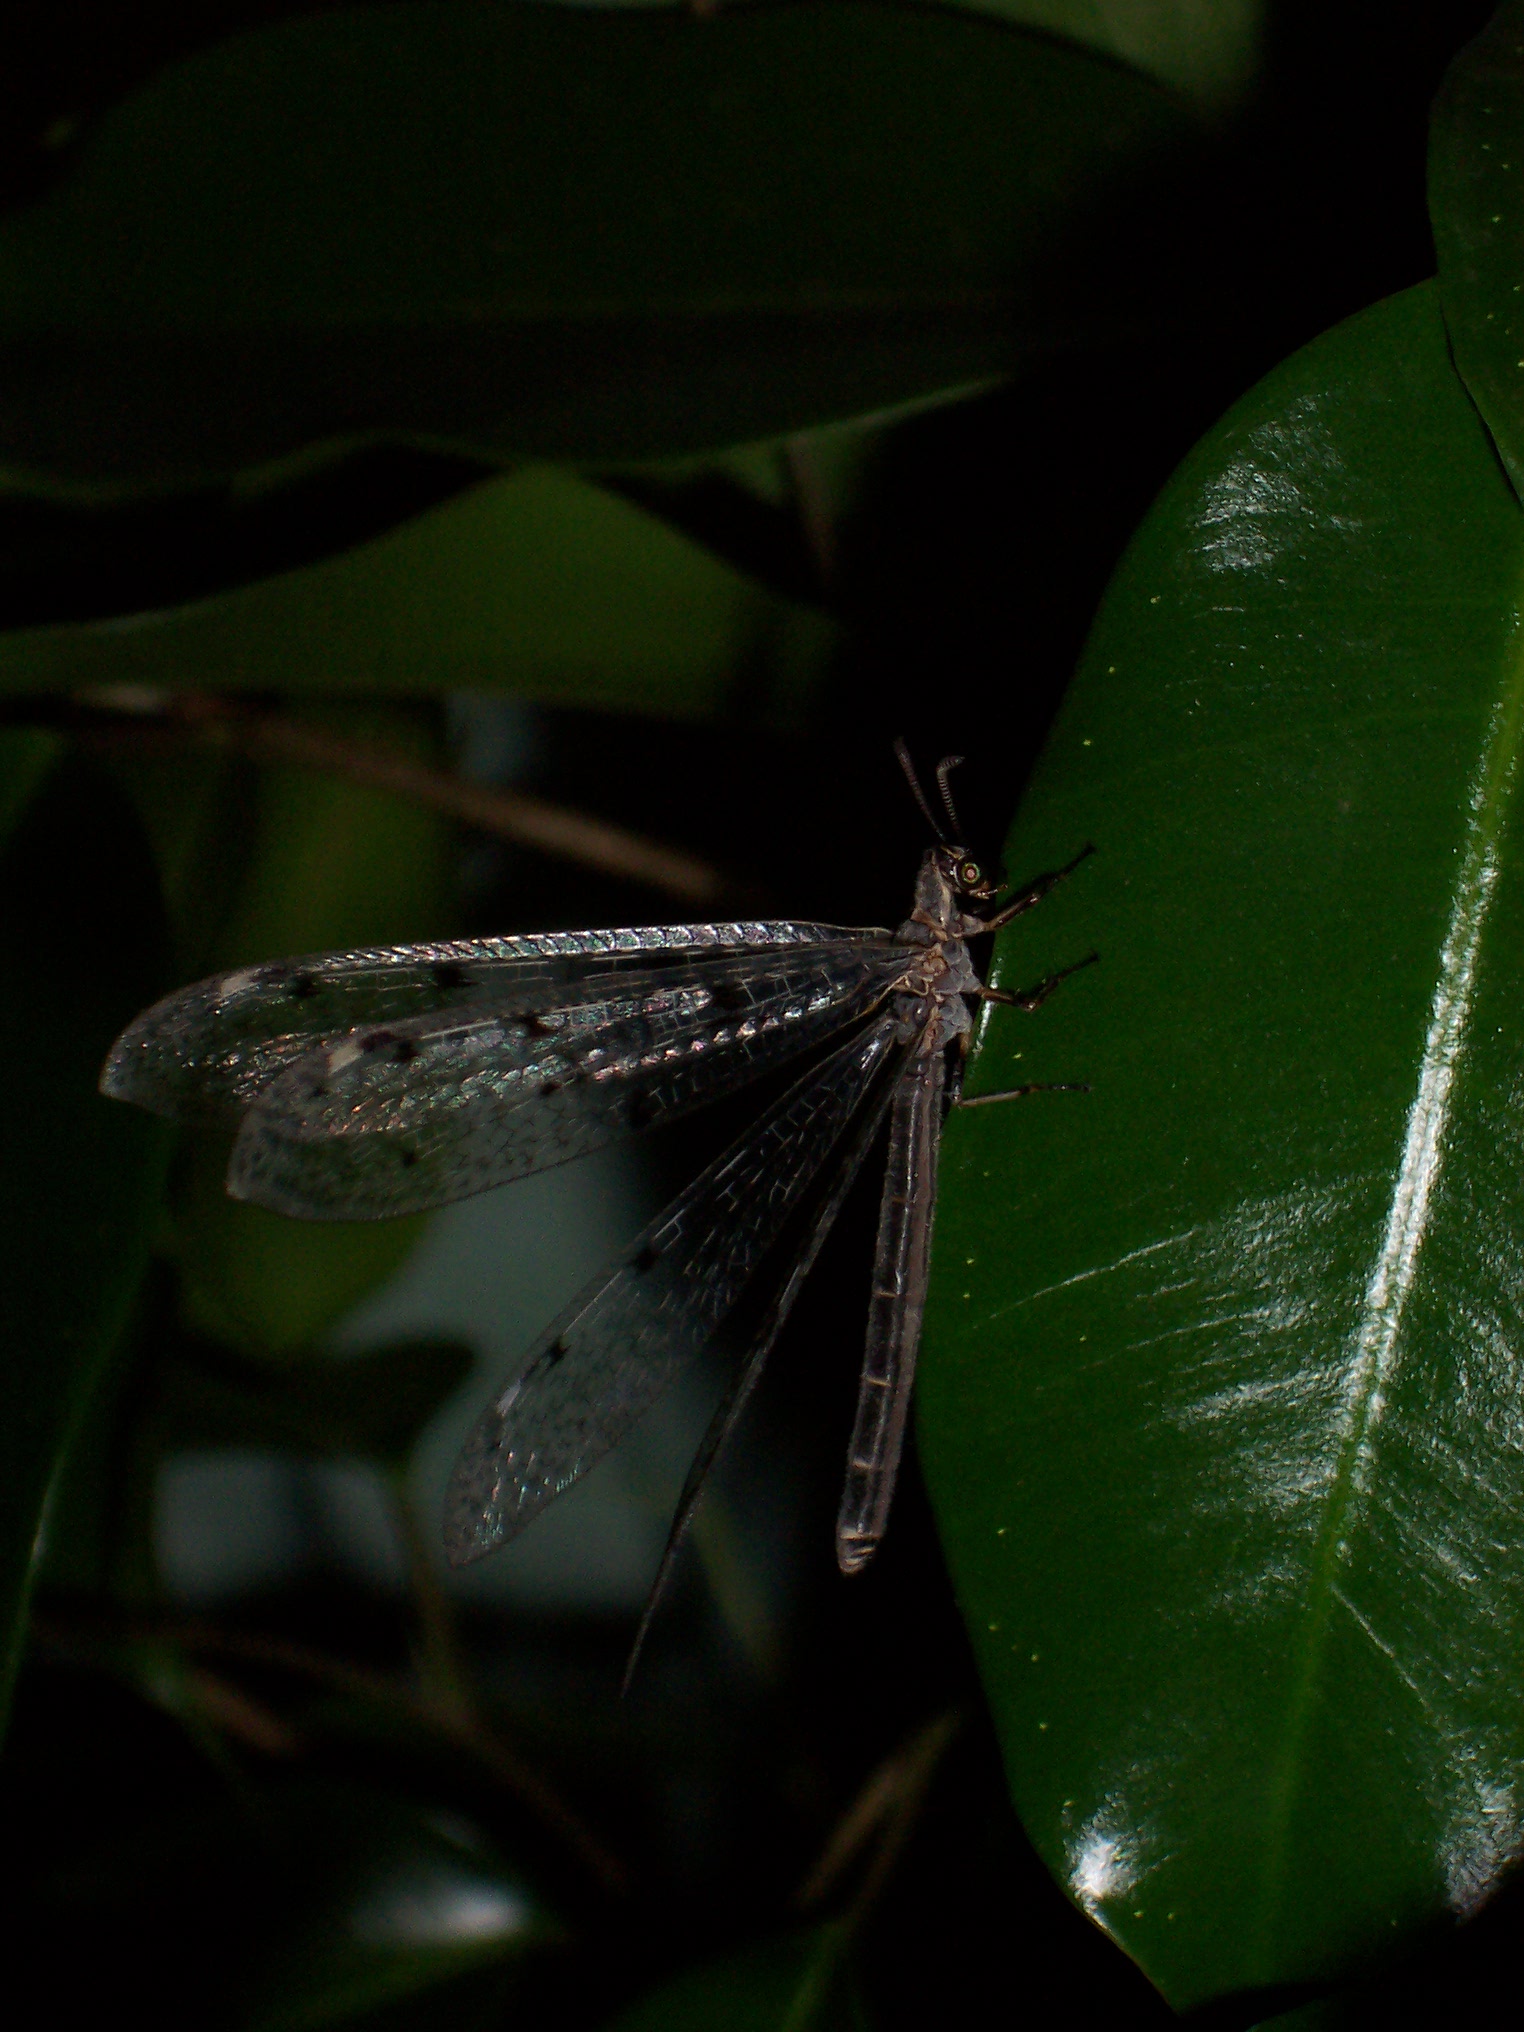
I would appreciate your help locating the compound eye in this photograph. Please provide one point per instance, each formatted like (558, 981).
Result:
(970, 875)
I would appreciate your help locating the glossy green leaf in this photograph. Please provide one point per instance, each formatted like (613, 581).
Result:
(798, 1984)
(540, 584)
(527, 230)
(1476, 203)
(81, 949)
(1222, 1408)
(333, 864)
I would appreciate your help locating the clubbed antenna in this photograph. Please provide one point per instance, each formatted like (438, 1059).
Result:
(945, 769)
(903, 755)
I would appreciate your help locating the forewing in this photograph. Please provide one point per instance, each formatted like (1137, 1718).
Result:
(622, 1340)
(413, 1115)
(206, 1051)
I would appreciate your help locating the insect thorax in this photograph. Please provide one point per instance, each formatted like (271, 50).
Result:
(935, 981)
(937, 904)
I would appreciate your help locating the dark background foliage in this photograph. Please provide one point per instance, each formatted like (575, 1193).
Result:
(241, 1807)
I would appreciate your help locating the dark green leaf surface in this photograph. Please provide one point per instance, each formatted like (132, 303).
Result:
(81, 949)
(1222, 1408)
(1208, 49)
(1476, 203)
(536, 230)
(541, 584)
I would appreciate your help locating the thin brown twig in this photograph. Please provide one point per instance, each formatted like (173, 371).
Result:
(812, 505)
(441, 1668)
(918, 1766)
(852, 1833)
(890, 1801)
(890, 1798)
(446, 1717)
(235, 1711)
(514, 815)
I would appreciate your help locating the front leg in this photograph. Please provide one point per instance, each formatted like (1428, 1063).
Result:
(1034, 892)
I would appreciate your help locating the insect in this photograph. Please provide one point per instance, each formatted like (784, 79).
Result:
(381, 1082)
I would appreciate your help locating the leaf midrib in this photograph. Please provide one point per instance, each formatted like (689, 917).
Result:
(1377, 1340)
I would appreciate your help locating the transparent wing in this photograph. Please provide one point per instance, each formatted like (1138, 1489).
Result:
(206, 1051)
(731, 1408)
(900, 1266)
(622, 1340)
(416, 1114)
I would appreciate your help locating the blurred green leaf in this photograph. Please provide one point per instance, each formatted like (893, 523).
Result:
(1222, 1413)
(798, 1984)
(281, 1901)
(333, 864)
(774, 510)
(1326, 2015)
(200, 807)
(1476, 203)
(540, 584)
(336, 863)
(81, 949)
(261, 1283)
(533, 231)
(70, 561)
(26, 756)
(1208, 49)
(399, 1901)
(372, 1405)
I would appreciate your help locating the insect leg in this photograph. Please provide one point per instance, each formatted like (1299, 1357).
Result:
(900, 1267)
(1033, 998)
(1019, 1093)
(1035, 891)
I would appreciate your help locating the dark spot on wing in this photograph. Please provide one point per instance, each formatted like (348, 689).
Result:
(643, 1110)
(731, 996)
(448, 974)
(551, 1086)
(648, 1258)
(377, 1040)
(536, 1024)
(317, 1089)
(558, 1350)
(406, 1050)
(302, 986)
(409, 1158)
